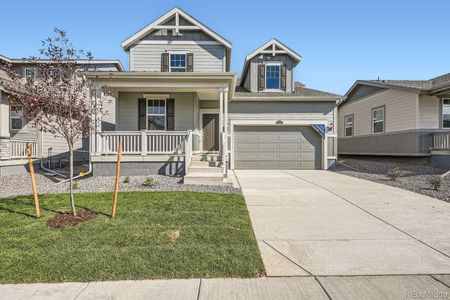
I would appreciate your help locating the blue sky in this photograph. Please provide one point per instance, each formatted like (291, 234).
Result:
(340, 41)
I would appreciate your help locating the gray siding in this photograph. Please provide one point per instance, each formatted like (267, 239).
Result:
(251, 79)
(361, 92)
(186, 111)
(186, 35)
(396, 143)
(207, 58)
(297, 110)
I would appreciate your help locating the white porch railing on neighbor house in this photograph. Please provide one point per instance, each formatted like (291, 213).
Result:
(19, 149)
(143, 142)
(188, 151)
(441, 141)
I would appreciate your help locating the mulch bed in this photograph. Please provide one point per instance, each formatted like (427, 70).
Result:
(67, 219)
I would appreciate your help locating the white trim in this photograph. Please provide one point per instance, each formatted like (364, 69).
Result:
(147, 114)
(274, 42)
(182, 52)
(205, 111)
(160, 42)
(147, 29)
(345, 124)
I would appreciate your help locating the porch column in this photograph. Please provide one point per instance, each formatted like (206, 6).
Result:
(221, 122)
(225, 134)
(5, 145)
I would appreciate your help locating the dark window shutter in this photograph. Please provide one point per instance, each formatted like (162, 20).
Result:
(262, 77)
(190, 62)
(283, 77)
(164, 62)
(142, 114)
(170, 114)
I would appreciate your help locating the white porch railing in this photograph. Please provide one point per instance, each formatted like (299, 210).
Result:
(187, 152)
(441, 141)
(19, 149)
(142, 142)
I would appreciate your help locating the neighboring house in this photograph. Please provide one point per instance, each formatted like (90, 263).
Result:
(179, 110)
(15, 132)
(397, 118)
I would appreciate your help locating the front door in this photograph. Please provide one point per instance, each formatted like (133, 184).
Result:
(210, 132)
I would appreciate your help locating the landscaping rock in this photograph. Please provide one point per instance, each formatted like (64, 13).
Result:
(19, 185)
(417, 173)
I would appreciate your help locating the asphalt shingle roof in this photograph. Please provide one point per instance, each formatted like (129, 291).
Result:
(417, 84)
(300, 91)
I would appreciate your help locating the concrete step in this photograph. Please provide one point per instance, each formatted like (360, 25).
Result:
(206, 157)
(206, 164)
(205, 169)
(205, 179)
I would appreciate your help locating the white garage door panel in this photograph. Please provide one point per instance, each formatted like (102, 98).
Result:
(267, 147)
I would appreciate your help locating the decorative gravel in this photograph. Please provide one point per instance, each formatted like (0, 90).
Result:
(417, 173)
(18, 185)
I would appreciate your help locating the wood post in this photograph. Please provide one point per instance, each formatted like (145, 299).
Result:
(116, 189)
(33, 182)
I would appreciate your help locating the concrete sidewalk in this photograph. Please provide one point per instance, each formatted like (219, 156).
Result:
(359, 287)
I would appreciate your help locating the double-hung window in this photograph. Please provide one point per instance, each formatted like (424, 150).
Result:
(378, 115)
(348, 125)
(445, 113)
(156, 114)
(16, 115)
(29, 72)
(177, 62)
(272, 77)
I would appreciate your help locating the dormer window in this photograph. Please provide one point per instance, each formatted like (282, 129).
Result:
(272, 77)
(177, 62)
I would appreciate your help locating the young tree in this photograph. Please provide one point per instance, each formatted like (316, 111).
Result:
(58, 98)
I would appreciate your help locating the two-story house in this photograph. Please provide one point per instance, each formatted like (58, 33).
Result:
(48, 149)
(179, 109)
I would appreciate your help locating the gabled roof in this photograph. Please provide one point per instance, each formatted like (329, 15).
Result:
(177, 13)
(272, 47)
(419, 86)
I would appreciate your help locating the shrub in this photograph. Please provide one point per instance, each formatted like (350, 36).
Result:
(148, 181)
(436, 182)
(126, 179)
(76, 185)
(395, 173)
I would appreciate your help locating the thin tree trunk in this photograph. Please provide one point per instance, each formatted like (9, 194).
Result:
(72, 200)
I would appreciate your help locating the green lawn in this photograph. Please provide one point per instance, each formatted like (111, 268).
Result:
(215, 240)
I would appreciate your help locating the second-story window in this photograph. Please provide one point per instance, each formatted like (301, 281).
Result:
(178, 62)
(272, 77)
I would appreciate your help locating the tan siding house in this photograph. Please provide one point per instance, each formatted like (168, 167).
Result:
(398, 118)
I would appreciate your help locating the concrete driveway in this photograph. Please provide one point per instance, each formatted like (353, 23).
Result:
(321, 223)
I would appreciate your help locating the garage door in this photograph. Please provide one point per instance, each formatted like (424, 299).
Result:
(267, 147)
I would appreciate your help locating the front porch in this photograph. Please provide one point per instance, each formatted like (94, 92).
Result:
(162, 120)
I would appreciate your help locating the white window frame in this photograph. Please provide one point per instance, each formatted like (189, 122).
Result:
(383, 108)
(11, 117)
(442, 122)
(170, 61)
(156, 115)
(347, 126)
(25, 72)
(279, 76)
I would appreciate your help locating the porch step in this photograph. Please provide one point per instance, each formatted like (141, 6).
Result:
(205, 169)
(204, 179)
(207, 157)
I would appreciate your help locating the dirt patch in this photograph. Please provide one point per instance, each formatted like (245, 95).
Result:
(63, 220)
